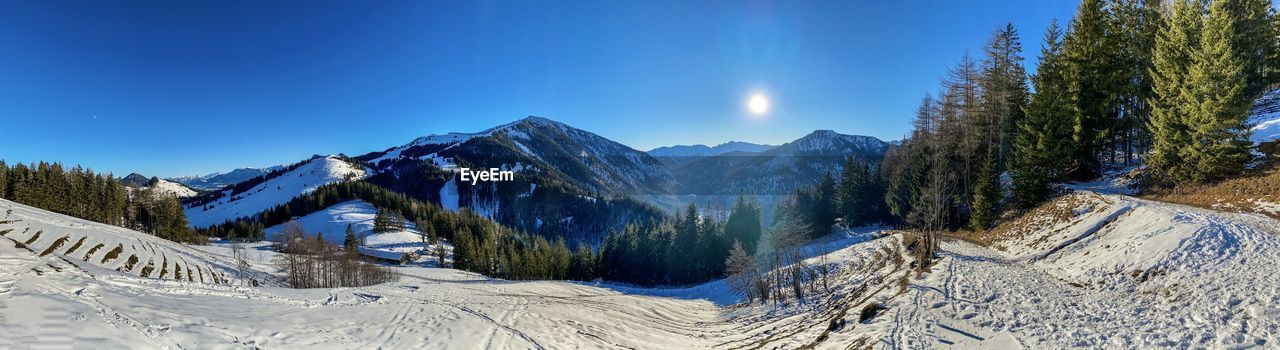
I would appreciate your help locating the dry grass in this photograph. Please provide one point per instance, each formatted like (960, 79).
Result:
(1031, 223)
(1250, 193)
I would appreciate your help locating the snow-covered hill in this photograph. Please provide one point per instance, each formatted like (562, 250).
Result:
(1098, 271)
(219, 180)
(87, 243)
(277, 188)
(138, 181)
(332, 224)
(52, 300)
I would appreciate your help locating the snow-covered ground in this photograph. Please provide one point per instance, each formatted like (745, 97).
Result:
(279, 190)
(1116, 272)
(55, 300)
(332, 223)
(1123, 273)
(177, 189)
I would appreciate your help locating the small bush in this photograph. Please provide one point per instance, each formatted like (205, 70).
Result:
(56, 244)
(114, 253)
(869, 312)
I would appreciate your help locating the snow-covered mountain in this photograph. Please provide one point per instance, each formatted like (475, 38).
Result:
(540, 147)
(278, 187)
(219, 180)
(780, 170)
(138, 181)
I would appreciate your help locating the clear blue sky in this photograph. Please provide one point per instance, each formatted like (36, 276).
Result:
(172, 88)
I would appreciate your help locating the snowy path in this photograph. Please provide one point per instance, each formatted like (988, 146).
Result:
(1158, 275)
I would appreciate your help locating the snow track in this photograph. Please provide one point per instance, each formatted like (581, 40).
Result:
(1130, 274)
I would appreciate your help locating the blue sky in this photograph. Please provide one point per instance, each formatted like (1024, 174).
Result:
(172, 88)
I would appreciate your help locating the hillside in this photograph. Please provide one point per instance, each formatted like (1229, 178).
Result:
(426, 308)
(108, 247)
(277, 188)
(780, 170)
(1093, 271)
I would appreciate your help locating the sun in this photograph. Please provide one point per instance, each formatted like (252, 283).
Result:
(758, 104)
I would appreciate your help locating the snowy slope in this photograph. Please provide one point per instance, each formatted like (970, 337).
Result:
(1119, 272)
(317, 172)
(108, 247)
(332, 223)
(48, 301)
(1265, 118)
(174, 188)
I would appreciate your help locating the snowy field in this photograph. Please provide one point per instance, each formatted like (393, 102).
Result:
(1118, 273)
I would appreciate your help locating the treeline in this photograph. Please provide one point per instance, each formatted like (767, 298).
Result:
(1126, 78)
(311, 262)
(855, 199)
(691, 248)
(81, 193)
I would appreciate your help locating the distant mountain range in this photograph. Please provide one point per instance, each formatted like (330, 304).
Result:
(568, 182)
(675, 156)
(219, 180)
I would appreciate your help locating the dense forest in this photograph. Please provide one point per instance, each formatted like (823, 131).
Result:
(1126, 80)
(81, 193)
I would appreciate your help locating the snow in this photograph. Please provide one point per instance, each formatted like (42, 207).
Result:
(276, 191)
(174, 188)
(449, 195)
(75, 239)
(1266, 130)
(1123, 273)
(1119, 272)
(332, 224)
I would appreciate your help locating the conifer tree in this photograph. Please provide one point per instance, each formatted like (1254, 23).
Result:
(1004, 85)
(986, 196)
(349, 240)
(1175, 52)
(1042, 147)
(1220, 145)
(1090, 56)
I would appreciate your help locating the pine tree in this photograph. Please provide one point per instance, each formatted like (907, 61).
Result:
(1091, 59)
(1175, 52)
(1219, 133)
(1042, 148)
(349, 241)
(986, 196)
(1004, 85)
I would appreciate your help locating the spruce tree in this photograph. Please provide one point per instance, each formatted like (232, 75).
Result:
(349, 240)
(986, 196)
(1042, 148)
(1004, 86)
(1220, 145)
(1089, 51)
(1173, 101)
